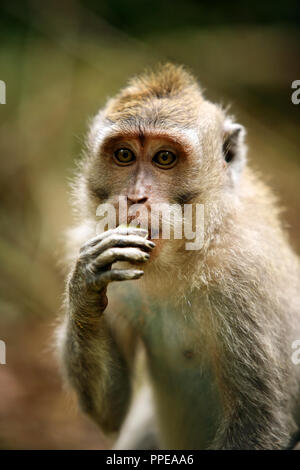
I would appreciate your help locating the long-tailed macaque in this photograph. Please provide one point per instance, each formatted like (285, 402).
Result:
(194, 350)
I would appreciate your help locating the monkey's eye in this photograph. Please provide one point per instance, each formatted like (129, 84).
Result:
(124, 157)
(165, 159)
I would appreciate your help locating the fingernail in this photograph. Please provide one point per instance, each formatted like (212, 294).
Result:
(138, 273)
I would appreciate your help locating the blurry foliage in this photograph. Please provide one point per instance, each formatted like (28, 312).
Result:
(60, 61)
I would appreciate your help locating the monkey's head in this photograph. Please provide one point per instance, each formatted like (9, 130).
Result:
(160, 142)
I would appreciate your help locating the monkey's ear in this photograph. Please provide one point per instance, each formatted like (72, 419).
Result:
(234, 148)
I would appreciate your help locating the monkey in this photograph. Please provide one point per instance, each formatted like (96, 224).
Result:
(170, 348)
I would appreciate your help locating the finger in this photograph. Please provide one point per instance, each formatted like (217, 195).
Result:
(121, 275)
(121, 230)
(119, 254)
(117, 240)
(104, 278)
(124, 230)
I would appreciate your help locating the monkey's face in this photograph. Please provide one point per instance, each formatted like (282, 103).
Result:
(161, 165)
(149, 169)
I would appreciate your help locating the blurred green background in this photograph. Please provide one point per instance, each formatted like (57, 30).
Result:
(60, 60)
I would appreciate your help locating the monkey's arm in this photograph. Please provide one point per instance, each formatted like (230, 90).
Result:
(96, 369)
(93, 362)
(254, 370)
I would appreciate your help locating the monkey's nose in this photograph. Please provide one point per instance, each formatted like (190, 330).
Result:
(137, 199)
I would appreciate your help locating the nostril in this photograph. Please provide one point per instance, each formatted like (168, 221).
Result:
(142, 200)
(137, 200)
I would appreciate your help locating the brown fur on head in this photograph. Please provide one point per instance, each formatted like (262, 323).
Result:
(164, 109)
(158, 96)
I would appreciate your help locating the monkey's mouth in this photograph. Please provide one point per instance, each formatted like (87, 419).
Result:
(154, 233)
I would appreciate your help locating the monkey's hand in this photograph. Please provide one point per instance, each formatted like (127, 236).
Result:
(93, 269)
(93, 362)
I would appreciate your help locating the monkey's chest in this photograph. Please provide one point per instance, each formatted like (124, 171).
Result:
(186, 396)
